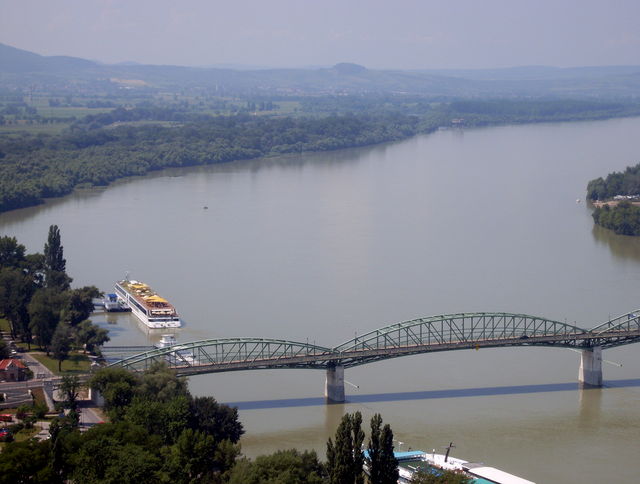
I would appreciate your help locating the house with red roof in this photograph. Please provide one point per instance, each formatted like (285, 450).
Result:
(12, 370)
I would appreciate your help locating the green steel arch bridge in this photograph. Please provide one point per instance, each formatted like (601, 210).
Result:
(424, 335)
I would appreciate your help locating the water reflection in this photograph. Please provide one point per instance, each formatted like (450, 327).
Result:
(589, 398)
(622, 246)
(591, 404)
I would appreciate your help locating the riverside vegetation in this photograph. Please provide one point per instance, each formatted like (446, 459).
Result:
(622, 217)
(159, 433)
(37, 300)
(101, 148)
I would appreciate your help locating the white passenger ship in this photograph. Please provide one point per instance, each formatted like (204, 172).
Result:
(153, 310)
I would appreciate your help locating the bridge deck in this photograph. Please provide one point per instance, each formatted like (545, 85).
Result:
(424, 335)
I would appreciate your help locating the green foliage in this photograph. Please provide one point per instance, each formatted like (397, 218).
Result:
(192, 458)
(45, 310)
(90, 336)
(118, 387)
(54, 262)
(16, 290)
(27, 461)
(345, 457)
(70, 388)
(383, 466)
(215, 419)
(440, 477)
(161, 384)
(282, 467)
(61, 343)
(39, 167)
(616, 183)
(80, 304)
(623, 219)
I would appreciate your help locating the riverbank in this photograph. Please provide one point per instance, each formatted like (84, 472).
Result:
(36, 168)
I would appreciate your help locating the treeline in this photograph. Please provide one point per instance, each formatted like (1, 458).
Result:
(104, 147)
(38, 302)
(36, 167)
(507, 111)
(623, 218)
(159, 433)
(616, 183)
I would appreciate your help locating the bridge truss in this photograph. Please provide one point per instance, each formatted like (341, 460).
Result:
(436, 333)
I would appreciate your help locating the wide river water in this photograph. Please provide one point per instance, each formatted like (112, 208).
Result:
(321, 247)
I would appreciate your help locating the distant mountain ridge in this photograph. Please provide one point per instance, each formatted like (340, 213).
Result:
(18, 67)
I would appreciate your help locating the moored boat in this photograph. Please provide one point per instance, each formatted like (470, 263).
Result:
(112, 304)
(182, 356)
(412, 462)
(153, 310)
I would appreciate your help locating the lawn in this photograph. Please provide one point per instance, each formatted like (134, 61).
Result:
(76, 363)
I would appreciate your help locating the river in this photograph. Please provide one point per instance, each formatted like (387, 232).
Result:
(322, 247)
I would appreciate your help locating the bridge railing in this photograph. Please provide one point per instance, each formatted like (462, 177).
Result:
(459, 328)
(626, 322)
(225, 351)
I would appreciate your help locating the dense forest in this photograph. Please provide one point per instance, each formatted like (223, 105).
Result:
(100, 148)
(617, 183)
(621, 216)
(34, 167)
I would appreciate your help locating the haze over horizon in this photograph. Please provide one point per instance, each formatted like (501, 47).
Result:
(410, 34)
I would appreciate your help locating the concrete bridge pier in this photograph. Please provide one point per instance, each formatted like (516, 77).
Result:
(334, 384)
(590, 374)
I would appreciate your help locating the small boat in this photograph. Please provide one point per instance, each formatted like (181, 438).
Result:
(179, 357)
(112, 304)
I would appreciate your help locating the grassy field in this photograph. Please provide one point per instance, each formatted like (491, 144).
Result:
(69, 111)
(54, 128)
(76, 363)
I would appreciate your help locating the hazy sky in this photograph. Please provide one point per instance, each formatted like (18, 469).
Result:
(406, 34)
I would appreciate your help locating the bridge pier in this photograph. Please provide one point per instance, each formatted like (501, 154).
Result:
(590, 374)
(334, 384)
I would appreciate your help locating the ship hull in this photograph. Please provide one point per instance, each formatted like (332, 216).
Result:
(142, 310)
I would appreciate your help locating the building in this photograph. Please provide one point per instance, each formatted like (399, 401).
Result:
(12, 370)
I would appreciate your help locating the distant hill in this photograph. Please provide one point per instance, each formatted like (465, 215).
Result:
(13, 60)
(19, 67)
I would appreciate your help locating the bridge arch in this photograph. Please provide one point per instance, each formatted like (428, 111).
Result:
(423, 335)
(456, 332)
(228, 354)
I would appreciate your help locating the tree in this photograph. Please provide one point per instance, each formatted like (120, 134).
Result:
(80, 304)
(16, 290)
(383, 466)
(54, 261)
(61, 343)
(160, 383)
(215, 419)
(44, 309)
(28, 461)
(11, 253)
(90, 336)
(282, 467)
(191, 458)
(117, 387)
(345, 457)
(70, 389)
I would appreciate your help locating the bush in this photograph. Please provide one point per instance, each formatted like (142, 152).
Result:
(40, 409)
(22, 411)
